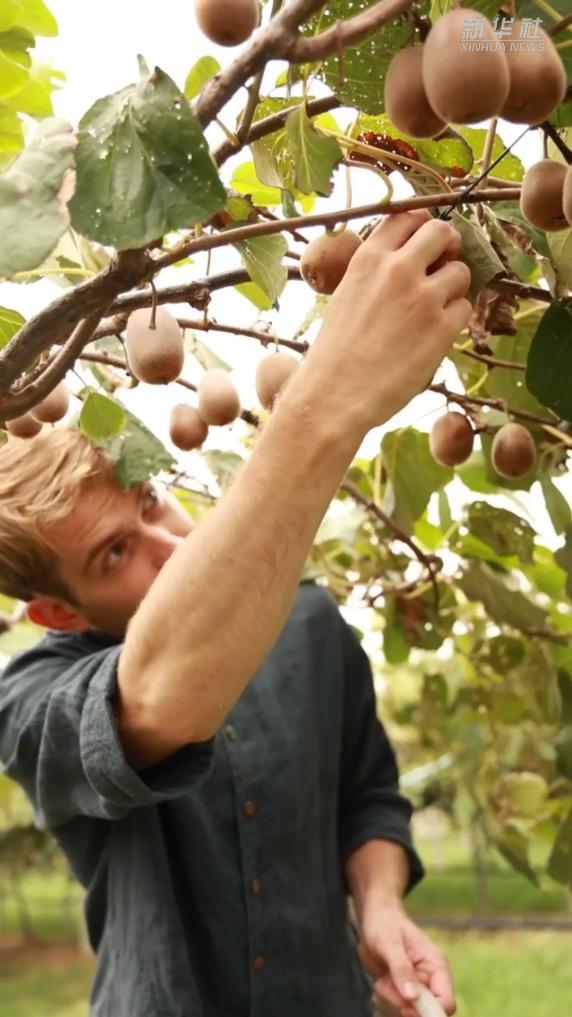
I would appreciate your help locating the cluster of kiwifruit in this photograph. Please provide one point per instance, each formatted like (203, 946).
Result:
(441, 81)
(227, 22)
(513, 452)
(546, 195)
(48, 411)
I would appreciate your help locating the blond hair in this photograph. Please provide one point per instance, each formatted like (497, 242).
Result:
(40, 480)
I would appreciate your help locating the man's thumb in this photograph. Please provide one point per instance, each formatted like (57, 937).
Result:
(402, 971)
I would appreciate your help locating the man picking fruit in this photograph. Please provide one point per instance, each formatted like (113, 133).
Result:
(198, 728)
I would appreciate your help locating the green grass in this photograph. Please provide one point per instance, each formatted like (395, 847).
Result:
(39, 983)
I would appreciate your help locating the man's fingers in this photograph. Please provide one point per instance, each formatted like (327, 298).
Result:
(386, 992)
(442, 986)
(452, 281)
(457, 314)
(432, 241)
(401, 970)
(396, 229)
(451, 253)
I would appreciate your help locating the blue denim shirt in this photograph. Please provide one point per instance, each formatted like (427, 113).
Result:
(214, 879)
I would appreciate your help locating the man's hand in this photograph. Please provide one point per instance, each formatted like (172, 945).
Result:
(399, 956)
(394, 316)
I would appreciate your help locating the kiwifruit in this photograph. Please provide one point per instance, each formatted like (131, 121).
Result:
(219, 402)
(54, 406)
(451, 439)
(464, 85)
(325, 260)
(513, 452)
(537, 78)
(186, 427)
(227, 22)
(542, 195)
(272, 374)
(406, 103)
(25, 426)
(155, 355)
(567, 195)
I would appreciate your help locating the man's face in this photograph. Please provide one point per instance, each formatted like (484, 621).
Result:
(112, 546)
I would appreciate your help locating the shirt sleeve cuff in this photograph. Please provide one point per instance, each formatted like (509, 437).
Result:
(106, 767)
(386, 829)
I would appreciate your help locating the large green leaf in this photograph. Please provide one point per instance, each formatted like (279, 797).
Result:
(560, 246)
(10, 322)
(33, 198)
(447, 153)
(549, 367)
(560, 861)
(202, 71)
(412, 474)
(36, 18)
(360, 81)
(136, 453)
(504, 531)
(563, 557)
(509, 168)
(487, 7)
(315, 155)
(262, 258)
(477, 253)
(513, 385)
(101, 417)
(510, 211)
(11, 135)
(557, 506)
(143, 166)
(503, 604)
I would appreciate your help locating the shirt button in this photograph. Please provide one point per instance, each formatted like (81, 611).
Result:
(259, 962)
(255, 886)
(230, 732)
(249, 809)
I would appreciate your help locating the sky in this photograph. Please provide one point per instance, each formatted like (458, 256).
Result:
(97, 48)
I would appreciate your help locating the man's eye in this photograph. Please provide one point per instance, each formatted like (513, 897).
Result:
(115, 553)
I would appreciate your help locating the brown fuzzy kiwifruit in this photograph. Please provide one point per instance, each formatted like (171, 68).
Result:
(155, 355)
(451, 439)
(537, 77)
(227, 22)
(406, 102)
(219, 401)
(54, 406)
(463, 84)
(272, 374)
(542, 195)
(325, 260)
(567, 196)
(513, 452)
(25, 426)
(187, 428)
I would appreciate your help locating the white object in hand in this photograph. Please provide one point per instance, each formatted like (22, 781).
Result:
(426, 1004)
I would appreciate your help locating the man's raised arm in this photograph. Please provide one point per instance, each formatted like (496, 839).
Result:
(220, 602)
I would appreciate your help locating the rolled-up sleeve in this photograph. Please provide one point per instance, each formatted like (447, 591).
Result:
(371, 806)
(59, 740)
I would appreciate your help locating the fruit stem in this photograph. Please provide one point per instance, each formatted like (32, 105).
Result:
(548, 9)
(374, 169)
(152, 319)
(488, 150)
(556, 140)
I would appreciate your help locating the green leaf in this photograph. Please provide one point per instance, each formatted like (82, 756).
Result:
(34, 192)
(477, 253)
(445, 517)
(502, 530)
(474, 474)
(206, 357)
(262, 258)
(560, 861)
(563, 744)
(143, 166)
(10, 322)
(12, 75)
(563, 557)
(255, 294)
(504, 605)
(364, 66)
(202, 71)
(512, 386)
(136, 453)
(487, 7)
(509, 168)
(35, 98)
(549, 366)
(556, 505)
(510, 211)
(396, 649)
(315, 155)
(560, 245)
(412, 473)
(445, 153)
(224, 465)
(9, 14)
(36, 18)
(11, 135)
(244, 179)
(101, 417)
(513, 846)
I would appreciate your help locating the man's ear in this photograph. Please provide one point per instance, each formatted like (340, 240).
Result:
(56, 614)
